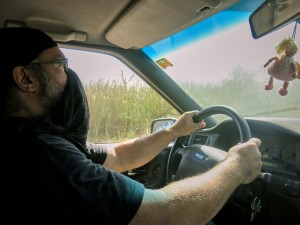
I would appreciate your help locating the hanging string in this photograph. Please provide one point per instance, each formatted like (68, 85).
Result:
(294, 32)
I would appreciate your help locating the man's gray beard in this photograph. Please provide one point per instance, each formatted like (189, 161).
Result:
(51, 93)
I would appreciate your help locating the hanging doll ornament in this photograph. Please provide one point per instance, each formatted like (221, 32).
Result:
(283, 67)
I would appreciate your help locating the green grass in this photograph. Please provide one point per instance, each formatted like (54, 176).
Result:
(120, 112)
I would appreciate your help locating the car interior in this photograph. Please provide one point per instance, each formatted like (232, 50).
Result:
(126, 29)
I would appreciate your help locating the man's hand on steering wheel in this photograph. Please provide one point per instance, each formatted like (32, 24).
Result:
(185, 125)
(247, 155)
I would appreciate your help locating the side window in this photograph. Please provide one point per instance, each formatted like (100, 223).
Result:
(122, 106)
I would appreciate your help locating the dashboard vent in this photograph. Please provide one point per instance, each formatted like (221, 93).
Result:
(200, 140)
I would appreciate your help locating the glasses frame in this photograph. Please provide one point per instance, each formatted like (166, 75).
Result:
(63, 62)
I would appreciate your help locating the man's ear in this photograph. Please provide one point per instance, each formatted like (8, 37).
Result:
(24, 79)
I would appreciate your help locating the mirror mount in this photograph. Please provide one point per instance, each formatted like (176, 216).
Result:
(273, 15)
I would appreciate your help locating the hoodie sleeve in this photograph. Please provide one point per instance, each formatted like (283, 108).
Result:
(96, 152)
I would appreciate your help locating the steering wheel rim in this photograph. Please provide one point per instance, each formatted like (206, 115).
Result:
(243, 128)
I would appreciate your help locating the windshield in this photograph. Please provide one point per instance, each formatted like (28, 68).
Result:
(218, 62)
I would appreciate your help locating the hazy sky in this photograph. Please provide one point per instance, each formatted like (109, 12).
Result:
(207, 62)
(241, 49)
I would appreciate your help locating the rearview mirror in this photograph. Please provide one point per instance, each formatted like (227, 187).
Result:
(272, 15)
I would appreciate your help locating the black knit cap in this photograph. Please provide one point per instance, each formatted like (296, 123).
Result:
(19, 46)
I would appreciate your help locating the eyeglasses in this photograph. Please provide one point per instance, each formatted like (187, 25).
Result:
(61, 63)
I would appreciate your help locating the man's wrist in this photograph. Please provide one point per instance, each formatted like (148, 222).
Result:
(233, 169)
(171, 133)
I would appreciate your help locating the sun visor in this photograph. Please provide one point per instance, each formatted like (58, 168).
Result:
(149, 21)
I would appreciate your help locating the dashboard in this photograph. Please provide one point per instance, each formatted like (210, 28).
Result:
(278, 188)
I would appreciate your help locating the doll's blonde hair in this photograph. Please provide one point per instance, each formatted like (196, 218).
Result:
(287, 44)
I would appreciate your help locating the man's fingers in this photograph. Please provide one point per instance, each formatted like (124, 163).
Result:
(202, 124)
(256, 141)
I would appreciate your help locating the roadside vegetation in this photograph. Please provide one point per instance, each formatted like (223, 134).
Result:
(124, 109)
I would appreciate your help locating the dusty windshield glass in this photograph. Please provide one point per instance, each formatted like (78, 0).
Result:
(219, 62)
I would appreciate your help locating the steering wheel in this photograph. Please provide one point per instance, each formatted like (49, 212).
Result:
(185, 161)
